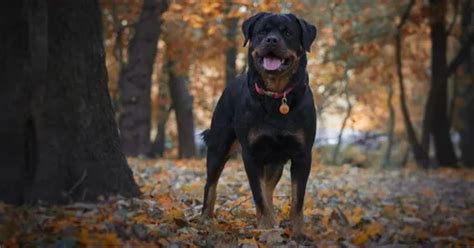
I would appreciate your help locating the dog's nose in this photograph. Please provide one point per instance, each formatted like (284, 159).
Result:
(271, 39)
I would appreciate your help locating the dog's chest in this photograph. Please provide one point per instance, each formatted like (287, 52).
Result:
(270, 144)
(275, 137)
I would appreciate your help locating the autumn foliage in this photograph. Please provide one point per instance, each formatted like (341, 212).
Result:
(344, 206)
(378, 193)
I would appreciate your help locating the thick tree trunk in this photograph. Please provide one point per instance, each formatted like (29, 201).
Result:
(135, 80)
(440, 127)
(58, 137)
(467, 116)
(182, 103)
(421, 157)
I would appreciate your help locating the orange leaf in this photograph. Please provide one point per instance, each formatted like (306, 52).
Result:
(389, 210)
(248, 242)
(374, 229)
(360, 238)
(356, 216)
(285, 209)
(165, 200)
(176, 7)
(110, 240)
(84, 237)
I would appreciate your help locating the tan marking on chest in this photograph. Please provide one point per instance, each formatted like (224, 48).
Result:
(299, 136)
(255, 134)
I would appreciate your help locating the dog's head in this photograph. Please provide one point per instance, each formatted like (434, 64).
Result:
(277, 43)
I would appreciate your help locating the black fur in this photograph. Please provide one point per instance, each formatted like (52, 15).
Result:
(268, 138)
(205, 136)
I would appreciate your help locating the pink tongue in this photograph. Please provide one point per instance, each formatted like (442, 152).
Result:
(271, 64)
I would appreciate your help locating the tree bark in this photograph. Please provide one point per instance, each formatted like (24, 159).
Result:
(231, 51)
(164, 108)
(437, 110)
(58, 137)
(346, 118)
(390, 127)
(467, 116)
(182, 103)
(135, 80)
(421, 157)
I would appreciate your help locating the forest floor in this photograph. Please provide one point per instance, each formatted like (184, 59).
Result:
(345, 207)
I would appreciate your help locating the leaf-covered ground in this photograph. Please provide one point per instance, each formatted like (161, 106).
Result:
(345, 206)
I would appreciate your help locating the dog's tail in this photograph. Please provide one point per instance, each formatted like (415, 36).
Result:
(205, 135)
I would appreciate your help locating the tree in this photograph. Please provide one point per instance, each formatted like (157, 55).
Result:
(231, 51)
(135, 80)
(421, 157)
(345, 83)
(466, 52)
(164, 108)
(177, 65)
(390, 126)
(58, 137)
(182, 103)
(436, 116)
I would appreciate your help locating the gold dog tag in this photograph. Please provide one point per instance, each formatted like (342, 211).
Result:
(284, 108)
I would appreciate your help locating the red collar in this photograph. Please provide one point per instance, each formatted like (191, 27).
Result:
(272, 94)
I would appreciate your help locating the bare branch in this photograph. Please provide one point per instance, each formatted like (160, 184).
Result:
(462, 55)
(455, 17)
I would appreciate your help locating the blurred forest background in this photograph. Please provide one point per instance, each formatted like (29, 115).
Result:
(393, 85)
(392, 79)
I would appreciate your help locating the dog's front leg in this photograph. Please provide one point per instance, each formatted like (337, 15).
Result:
(272, 175)
(255, 174)
(300, 169)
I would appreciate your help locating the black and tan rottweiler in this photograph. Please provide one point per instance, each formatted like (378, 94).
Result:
(270, 112)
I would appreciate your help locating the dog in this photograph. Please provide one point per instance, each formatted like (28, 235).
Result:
(270, 111)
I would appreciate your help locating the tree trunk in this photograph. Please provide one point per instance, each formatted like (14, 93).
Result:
(346, 118)
(419, 153)
(467, 132)
(440, 128)
(135, 80)
(118, 52)
(182, 103)
(390, 127)
(164, 108)
(58, 137)
(231, 51)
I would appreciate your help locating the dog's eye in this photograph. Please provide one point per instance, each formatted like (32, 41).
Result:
(287, 34)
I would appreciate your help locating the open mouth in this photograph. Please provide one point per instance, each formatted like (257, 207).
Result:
(271, 62)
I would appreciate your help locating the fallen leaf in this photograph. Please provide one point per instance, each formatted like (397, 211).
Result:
(271, 237)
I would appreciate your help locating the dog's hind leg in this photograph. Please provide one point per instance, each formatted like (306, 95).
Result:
(220, 142)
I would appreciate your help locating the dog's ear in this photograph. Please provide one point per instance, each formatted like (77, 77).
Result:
(308, 34)
(247, 26)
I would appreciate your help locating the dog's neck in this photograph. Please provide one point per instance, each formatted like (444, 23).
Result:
(276, 84)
